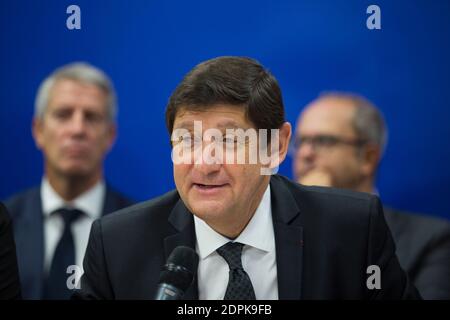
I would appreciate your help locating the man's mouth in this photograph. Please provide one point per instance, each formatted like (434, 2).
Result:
(79, 149)
(208, 188)
(76, 152)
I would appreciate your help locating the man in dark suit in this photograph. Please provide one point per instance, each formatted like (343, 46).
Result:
(423, 249)
(258, 236)
(74, 127)
(9, 273)
(339, 142)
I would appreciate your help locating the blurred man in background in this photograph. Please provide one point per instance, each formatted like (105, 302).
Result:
(74, 127)
(339, 142)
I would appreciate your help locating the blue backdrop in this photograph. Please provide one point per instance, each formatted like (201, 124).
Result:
(310, 46)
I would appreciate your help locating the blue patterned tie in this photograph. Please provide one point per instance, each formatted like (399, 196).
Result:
(239, 284)
(55, 285)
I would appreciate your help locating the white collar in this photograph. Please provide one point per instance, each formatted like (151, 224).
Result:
(258, 233)
(90, 201)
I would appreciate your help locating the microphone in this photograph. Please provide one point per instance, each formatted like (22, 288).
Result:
(177, 274)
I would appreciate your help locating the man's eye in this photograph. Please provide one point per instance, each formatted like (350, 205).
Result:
(190, 141)
(229, 140)
(61, 114)
(186, 139)
(326, 141)
(93, 117)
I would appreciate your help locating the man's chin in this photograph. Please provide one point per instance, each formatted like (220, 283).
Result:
(208, 211)
(76, 171)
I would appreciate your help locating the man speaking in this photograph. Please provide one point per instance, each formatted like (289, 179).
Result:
(257, 235)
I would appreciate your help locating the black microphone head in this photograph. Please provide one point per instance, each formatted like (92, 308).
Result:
(180, 268)
(185, 257)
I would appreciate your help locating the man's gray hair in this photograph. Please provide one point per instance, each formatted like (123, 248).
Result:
(368, 121)
(81, 72)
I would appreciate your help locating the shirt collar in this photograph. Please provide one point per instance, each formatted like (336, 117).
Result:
(258, 233)
(90, 201)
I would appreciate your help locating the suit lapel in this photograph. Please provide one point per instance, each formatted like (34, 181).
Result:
(113, 201)
(30, 245)
(182, 220)
(109, 203)
(288, 240)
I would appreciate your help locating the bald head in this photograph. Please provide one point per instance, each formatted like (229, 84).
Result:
(328, 115)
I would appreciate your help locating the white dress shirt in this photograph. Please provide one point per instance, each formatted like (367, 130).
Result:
(90, 202)
(258, 256)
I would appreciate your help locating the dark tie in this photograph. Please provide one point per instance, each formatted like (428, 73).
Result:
(55, 286)
(239, 284)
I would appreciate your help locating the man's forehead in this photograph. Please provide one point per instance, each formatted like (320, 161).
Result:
(327, 116)
(67, 92)
(220, 117)
(76, 86)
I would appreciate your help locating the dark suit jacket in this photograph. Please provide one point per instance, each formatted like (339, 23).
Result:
(423, 249)
(26, 213)
(325, 240)
(9, 273)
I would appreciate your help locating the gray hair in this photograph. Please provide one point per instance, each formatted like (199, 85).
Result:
(81, 72)
(368, 121)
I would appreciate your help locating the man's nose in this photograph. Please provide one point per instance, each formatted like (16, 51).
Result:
(306, 150)
(207, 169)
(78, 124)
(206, 160)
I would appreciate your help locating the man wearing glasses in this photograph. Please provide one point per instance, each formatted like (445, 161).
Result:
(257, 236)
(339, 142)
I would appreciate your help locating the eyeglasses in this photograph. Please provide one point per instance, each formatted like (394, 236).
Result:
(320, 142)
(227, 142)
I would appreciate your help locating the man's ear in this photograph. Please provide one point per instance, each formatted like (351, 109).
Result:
(280, 151)
(370, 158)
(37, 132)
(112, 135)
